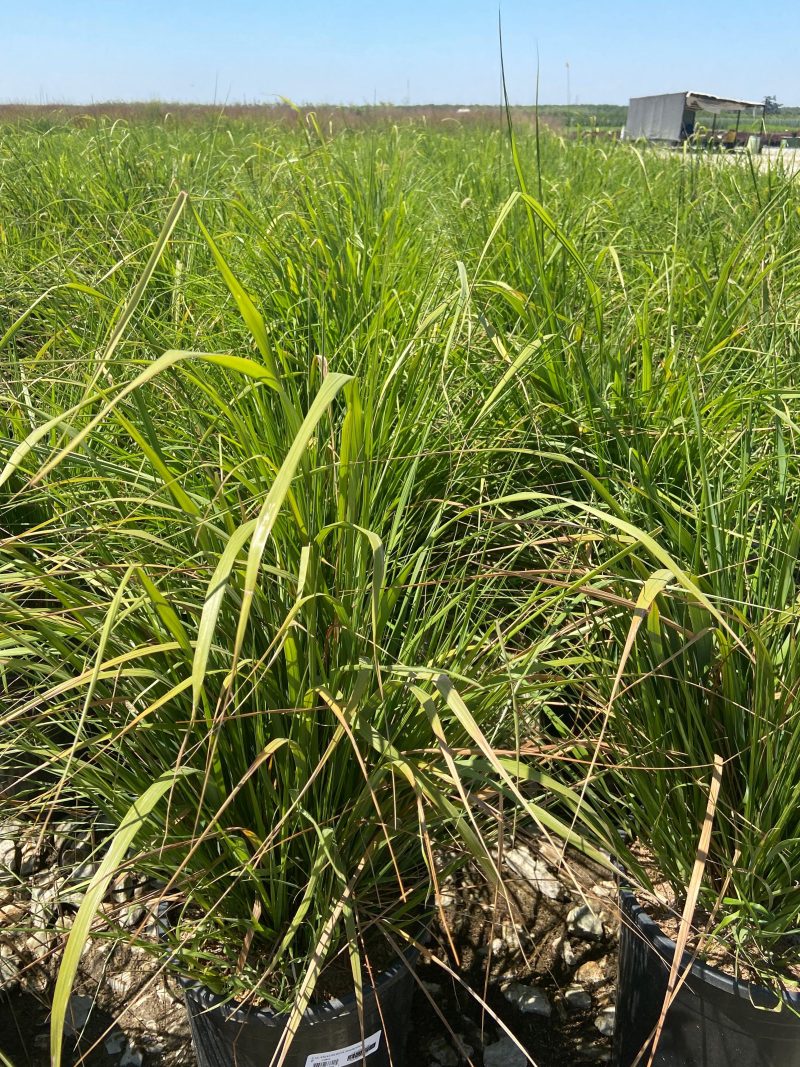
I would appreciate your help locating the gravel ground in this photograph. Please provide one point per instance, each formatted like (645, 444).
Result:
(541, 958)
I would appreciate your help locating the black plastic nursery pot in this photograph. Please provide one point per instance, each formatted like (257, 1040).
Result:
(715, 1020)
(227, 1034)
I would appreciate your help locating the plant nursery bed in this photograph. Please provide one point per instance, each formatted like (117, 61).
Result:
(541, 956)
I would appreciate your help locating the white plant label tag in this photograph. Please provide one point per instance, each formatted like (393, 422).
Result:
(343, 1057)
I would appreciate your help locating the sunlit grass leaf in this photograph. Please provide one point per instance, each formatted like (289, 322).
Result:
(121, 841)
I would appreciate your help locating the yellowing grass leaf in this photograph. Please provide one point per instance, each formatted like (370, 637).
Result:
(689, 907)
(316, 960)
(654, 585)
(544, 819)
(634, 532)
(98, 887)
(512, 372)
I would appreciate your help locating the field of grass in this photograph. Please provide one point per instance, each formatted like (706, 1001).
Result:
(571, 119)
(574, 386)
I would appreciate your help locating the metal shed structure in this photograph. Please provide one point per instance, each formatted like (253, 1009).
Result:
(671, 116)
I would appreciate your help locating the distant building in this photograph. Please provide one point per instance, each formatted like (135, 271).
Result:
(671, 116)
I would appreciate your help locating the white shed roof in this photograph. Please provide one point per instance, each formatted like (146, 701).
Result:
(715, 104)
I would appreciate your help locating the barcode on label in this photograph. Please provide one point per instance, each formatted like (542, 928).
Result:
(343, 1057)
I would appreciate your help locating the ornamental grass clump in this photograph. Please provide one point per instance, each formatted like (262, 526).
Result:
(681, 689)
(659, 356)
(280, 648)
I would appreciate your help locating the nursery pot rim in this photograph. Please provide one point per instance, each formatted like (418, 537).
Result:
(757, 995)
(239, 1012)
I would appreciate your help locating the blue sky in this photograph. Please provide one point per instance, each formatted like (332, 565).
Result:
(442, 51)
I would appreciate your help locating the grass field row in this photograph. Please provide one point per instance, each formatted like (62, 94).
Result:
(453, 438)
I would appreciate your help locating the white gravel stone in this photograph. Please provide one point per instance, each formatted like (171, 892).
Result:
(568, 953)
(151, 1045)
(132, 915)
(125, 888)
(46, 889)
(63, 833)
(528, 999)
(607, 889)
(39, 915)
(504, 1053)
(605, 1022)
(73, 845)
(29, 858)
(512, 935)
(524, 864)
(85, 872)
(70, 896)
(115, 1043)
(577, 999)
(9, 856)
(11, 915)
(38, 944)
(78, 1010)
(121, 985)
(583, 922)
(131, 1057)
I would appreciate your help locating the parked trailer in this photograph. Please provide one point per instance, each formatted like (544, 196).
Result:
(672, 116)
